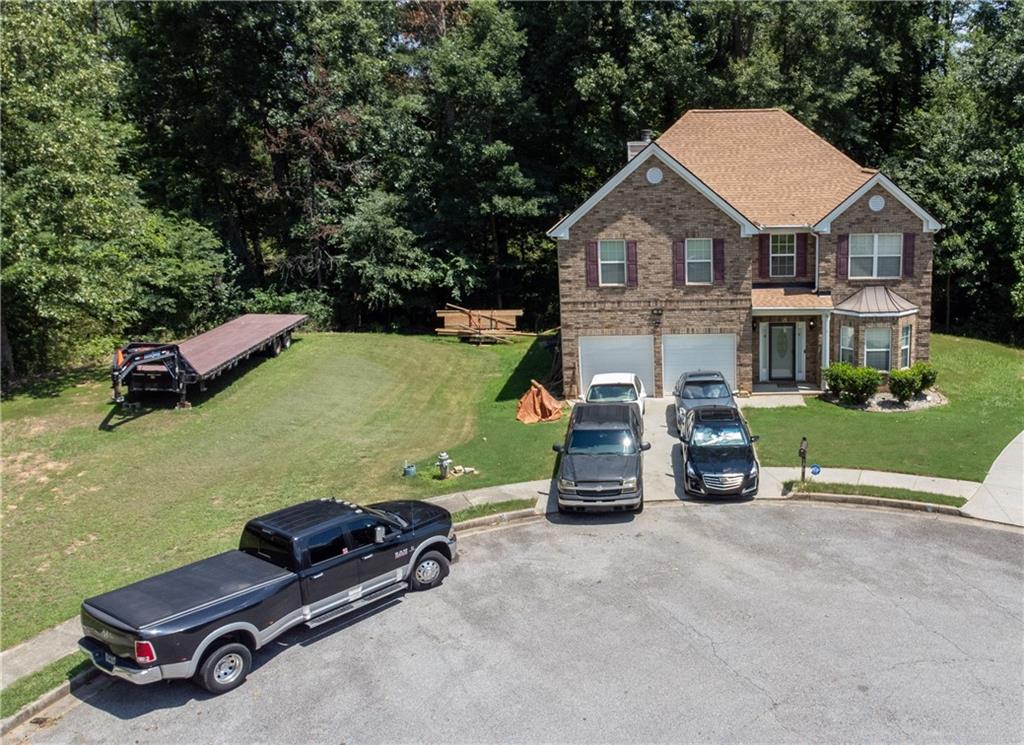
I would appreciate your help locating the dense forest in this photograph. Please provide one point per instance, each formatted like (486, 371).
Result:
(168, 165)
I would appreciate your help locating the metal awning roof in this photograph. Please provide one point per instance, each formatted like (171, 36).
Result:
(876, 301)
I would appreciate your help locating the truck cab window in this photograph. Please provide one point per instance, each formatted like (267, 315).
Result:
(361, 532)
(326, 545)
(267, 546)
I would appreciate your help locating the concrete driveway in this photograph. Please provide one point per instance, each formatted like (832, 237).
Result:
(758, 622)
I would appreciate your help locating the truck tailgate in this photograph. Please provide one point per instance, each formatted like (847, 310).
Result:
(187, 588)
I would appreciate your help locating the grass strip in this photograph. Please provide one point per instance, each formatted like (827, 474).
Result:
(864, 490)
(27, 689)
(493, 508)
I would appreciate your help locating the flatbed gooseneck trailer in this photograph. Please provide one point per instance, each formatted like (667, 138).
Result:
(145, 366)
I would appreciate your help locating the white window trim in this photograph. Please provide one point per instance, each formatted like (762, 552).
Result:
(772, 255)
(852, 347)
(887, 349)
(907, 347)
(601, 262)
(874, 257)
(710, 261)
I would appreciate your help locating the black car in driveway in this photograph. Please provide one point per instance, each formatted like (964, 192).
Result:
(700, 388)
(306, 564)
(601, 466)
(718, 453)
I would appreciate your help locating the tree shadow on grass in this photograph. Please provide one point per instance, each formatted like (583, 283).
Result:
(53, 384)
(534, 365)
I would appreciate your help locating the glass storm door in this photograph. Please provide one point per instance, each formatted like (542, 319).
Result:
(781, 354)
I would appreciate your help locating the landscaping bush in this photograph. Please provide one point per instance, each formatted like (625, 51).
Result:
(852, 384)
(838, 376)
(862, 384)
(904, 384)
(927, 373)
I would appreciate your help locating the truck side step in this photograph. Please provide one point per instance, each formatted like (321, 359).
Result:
(357, 604)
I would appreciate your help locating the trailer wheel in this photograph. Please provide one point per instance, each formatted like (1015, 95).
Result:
(225, 668)
(287, 341)
(275, 347)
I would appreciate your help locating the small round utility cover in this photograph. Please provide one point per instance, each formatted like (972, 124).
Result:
(654, 175)
(815, 469)
(876, 203)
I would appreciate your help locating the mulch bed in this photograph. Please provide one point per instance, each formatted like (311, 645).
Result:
(886, 403)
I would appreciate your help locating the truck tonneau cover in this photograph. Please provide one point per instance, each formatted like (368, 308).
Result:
(189, 587)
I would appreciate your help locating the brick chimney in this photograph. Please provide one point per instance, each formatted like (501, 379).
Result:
(633, 148)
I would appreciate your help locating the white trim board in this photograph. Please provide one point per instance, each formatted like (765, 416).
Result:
(856, 314)
(931, 225)
(561, 229)
(803, 311)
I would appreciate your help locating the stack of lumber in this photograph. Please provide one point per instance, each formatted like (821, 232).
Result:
(479, 326)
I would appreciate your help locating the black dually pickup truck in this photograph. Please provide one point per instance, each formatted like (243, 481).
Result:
(309, 563)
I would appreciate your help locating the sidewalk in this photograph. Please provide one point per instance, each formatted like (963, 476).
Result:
(1000, 497)
(772, 479)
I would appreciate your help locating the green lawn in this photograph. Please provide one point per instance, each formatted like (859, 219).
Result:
(864, 490)
(27, 689)
(86, 508)
(985, 385)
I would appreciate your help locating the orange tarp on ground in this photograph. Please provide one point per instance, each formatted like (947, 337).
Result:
(537, 405)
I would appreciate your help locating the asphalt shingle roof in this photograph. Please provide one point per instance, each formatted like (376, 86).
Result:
(765, 163)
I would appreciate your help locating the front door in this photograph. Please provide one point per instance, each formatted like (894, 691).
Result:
(782, 351)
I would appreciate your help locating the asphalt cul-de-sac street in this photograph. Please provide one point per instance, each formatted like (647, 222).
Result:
(754, 622)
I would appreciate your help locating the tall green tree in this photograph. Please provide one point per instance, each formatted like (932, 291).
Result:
(76, 237)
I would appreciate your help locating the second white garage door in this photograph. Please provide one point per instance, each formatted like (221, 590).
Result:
(611, 354)
(687, 352)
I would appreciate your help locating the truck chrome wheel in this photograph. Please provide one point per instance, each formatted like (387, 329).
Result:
(428, 571)
(228, 668)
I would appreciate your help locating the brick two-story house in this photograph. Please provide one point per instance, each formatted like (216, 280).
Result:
(741, 241)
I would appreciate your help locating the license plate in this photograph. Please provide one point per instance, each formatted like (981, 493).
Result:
(109, 658)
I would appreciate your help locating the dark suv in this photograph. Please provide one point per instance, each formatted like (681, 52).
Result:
(700, 388)
(718, 453)
(601, 465)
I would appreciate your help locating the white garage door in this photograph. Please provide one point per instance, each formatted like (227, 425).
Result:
(687, 352)
(610, 354)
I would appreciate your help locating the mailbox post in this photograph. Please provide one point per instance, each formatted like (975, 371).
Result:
(803, 458)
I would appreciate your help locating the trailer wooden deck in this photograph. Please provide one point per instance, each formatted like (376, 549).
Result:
(210, 352)
(146, 366)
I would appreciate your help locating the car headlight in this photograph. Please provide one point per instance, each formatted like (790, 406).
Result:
(629, 484)
(753, 469)
(690, 470)
(566, 485)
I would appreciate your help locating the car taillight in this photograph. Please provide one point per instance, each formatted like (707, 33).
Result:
(144, 652)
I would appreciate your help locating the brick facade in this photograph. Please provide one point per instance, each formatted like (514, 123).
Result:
(657, 215)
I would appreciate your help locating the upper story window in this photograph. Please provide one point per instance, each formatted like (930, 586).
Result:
(876, 255)
(611, 262)
(783, 255)
(846, 344)
(698, 261)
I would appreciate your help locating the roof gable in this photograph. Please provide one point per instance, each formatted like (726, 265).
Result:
(561, 229)
(879, 179)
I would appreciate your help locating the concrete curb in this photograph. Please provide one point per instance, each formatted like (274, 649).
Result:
(900, 504)
(47, 700)
(497, 518)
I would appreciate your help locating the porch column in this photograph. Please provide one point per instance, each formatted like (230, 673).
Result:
(826, 342)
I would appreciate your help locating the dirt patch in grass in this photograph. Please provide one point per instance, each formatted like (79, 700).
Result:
(28, 467)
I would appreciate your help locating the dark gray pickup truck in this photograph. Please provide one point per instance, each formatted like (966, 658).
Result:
(309, 563)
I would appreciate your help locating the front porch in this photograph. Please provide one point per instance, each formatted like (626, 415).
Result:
(791, 339)
(786, 387)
